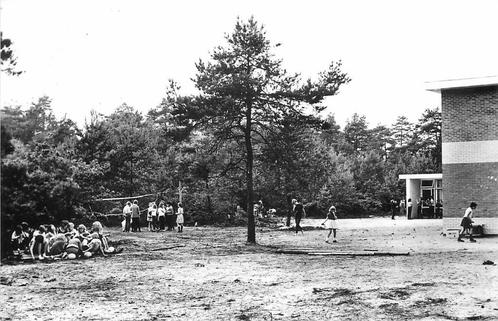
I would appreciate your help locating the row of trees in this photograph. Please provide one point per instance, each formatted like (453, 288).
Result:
(253, 131)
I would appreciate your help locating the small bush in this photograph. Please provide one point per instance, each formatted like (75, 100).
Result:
(116, 210)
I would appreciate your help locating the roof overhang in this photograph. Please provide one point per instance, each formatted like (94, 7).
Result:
(437, 86)
(421, 176)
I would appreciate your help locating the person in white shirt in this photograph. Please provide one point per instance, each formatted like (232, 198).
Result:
(152, 216)
(127, 216)
(466, 224)
(161, 215)
(331, 224)
(38, 243)
(179, 218)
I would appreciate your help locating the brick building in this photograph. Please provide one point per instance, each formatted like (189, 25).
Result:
(470, 149)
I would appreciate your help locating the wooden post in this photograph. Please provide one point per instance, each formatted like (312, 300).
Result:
(180, 192)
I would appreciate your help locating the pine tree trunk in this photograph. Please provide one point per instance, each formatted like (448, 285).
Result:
(251, 229)
(132, 191)
(209, 203)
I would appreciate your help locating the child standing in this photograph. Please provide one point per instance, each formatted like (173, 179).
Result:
(466, 224)
(331, 224)
(170, 218)
(149, 217)
(161, 212)
(179, 218)
(155, 224)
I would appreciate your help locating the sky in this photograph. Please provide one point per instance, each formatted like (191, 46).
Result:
(97, 54)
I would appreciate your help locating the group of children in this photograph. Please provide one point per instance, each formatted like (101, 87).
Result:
(159, 217)
(69, 242)
(163, 216)
(65, 241)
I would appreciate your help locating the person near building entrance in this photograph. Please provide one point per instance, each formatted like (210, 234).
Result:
(431, 204)
(466, 224)
(409, 206)
(439, 209)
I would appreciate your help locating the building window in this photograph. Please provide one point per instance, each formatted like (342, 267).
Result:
(427, 183)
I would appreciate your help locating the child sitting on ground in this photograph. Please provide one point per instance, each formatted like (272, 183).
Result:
(82, 234)
(73, 249)
(71, 231)
(99, 229)
(38, 243)
(18, 240)
(94, 246)
(55, 246)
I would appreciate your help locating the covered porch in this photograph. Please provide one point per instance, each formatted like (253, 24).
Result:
(425, 191)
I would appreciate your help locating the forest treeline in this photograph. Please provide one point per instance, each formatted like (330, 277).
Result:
(51, 167)
(251, 122)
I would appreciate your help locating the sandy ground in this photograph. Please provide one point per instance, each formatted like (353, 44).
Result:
(214, 275)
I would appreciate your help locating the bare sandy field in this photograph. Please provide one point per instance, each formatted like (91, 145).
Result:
(209, 273)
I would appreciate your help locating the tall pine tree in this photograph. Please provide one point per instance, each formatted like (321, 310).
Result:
(245, 94)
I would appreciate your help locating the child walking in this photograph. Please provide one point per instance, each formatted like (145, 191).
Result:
(466, 224)
(331, 224)
(179, 218)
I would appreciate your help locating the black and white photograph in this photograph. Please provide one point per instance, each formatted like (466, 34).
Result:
(249, 160)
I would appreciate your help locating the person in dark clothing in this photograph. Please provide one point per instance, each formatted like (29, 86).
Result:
(409, 207)
(394, 205)
(299, 213)
(170, 216)
(439, 209)
(135, 217)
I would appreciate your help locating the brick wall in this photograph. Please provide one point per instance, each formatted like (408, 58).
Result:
(470, 114)
(470, 161)
(465, 183)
